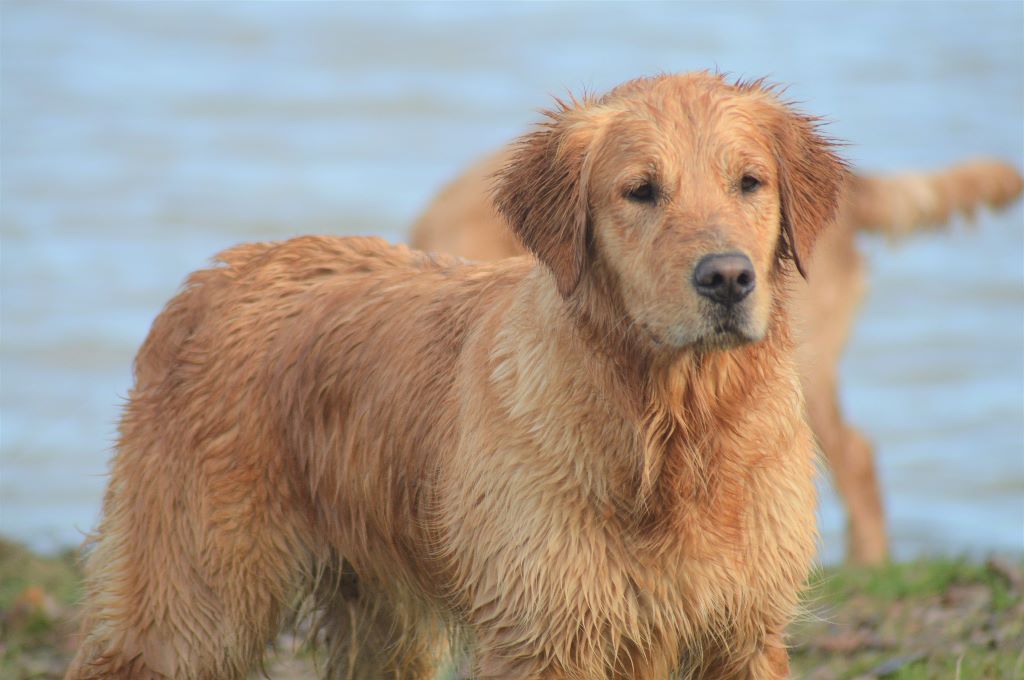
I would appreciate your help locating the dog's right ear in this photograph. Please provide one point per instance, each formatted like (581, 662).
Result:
(542, 193)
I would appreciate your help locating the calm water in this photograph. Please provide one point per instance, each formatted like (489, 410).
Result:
(140, 138)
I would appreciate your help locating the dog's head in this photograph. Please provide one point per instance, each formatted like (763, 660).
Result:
(691, 196)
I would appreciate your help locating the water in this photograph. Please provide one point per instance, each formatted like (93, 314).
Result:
(140, 138)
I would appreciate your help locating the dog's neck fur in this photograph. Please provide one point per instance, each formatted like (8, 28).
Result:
(672, 405)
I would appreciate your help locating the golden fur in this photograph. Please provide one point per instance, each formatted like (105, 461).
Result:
(461, 221)
(581, 469)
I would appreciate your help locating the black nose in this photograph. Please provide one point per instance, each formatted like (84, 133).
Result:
(725, 278)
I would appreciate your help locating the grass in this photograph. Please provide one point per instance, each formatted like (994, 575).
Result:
(37, 597)
(954, 619)
(936, 618)
(907, 580)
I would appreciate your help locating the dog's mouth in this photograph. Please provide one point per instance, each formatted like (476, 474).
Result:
(719, 329)
(729, 327)
(726, 336)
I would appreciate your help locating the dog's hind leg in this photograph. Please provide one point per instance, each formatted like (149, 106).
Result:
(204, 542)
(193, 568)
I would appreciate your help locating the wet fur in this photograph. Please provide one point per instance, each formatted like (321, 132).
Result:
(495, 453)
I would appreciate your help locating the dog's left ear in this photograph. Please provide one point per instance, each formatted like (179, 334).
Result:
(811, 181)
(542, 193)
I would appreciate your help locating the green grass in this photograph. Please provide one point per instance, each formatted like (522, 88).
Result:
(931, 618)
(20, 569)
(919, 578)
(37, 597)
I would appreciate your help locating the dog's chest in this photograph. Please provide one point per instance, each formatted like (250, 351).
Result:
(735, 536)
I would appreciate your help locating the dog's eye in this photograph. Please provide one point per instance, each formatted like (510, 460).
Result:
(749, 184)
(642, 193)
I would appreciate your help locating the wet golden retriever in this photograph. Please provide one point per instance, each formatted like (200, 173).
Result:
(462, 221)
(592, 467)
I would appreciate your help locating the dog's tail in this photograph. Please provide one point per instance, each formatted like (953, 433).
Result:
(901, 204)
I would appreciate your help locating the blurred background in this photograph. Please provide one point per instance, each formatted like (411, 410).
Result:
(138, 139)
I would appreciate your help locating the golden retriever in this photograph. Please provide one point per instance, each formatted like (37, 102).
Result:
(592, 467)
(461, 221)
